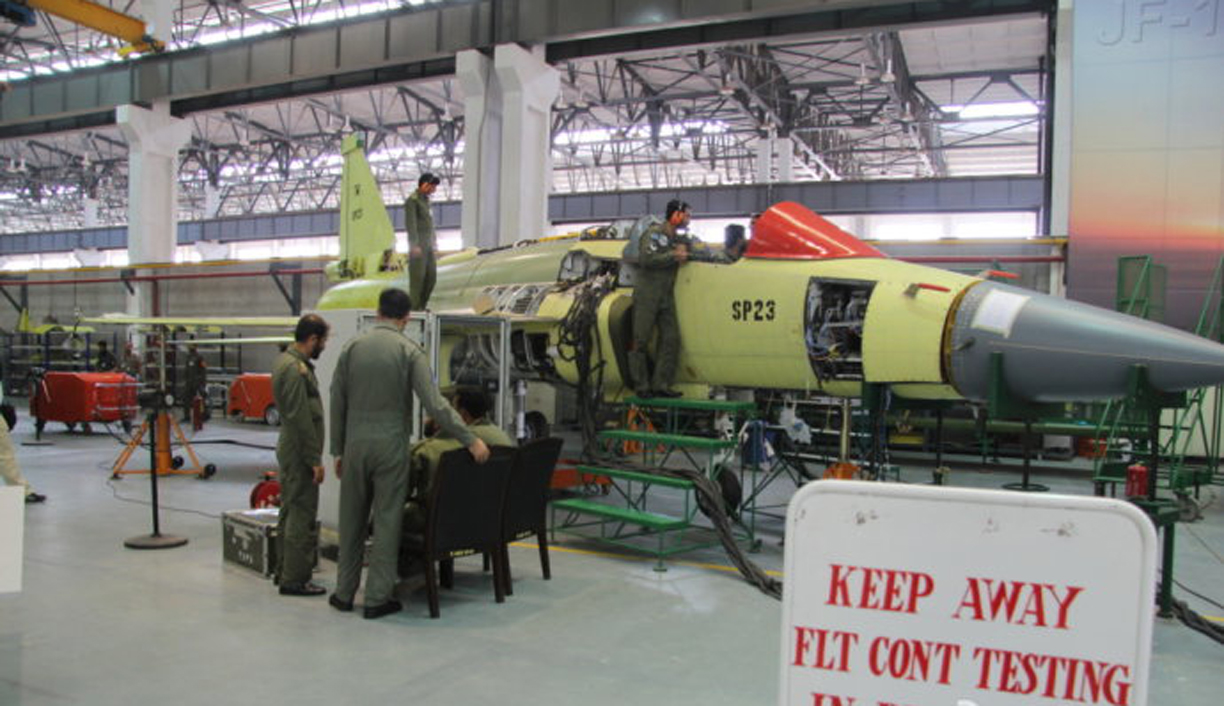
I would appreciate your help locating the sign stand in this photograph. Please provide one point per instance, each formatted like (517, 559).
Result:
(915, 595)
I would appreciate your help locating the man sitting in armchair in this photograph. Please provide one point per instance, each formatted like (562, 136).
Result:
(473, 406)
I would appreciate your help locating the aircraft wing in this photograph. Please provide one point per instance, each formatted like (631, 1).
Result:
(201, 342)
(285, 322)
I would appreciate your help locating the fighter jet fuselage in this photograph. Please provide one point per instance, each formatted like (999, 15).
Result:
(811, 308)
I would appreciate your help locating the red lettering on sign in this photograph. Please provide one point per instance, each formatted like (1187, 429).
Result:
(912, 659)
(1060, 678)
(830, 700)
(878, 589)
(819, 648)
(1017, 602)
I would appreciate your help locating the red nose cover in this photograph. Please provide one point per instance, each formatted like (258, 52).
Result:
(788, 231)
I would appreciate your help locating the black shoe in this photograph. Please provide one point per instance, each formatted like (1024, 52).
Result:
(668, 393)
(32, 498)
(302, 589)
(342, 606)
(378, 611)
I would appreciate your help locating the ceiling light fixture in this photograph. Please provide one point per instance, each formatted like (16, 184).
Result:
(862, 79)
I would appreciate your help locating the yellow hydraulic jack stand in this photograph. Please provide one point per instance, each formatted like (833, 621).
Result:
(166, 462)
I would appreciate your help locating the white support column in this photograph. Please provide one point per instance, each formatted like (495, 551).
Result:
(154, 140)
(212, 201)
(764, 160)
(482, 111)
(786, 158)
(89, 213)
(529, 88)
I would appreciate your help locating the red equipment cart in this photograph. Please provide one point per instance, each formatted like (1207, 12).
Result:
(250, 396)
(82, 398)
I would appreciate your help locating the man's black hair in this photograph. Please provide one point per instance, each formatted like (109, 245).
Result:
(733, 235)
(101, 344)
(472, 400)
(310, 325)
(428, 178)
(394, 303)
(675, 205)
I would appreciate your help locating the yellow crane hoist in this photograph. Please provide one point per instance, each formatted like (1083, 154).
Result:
(105, 20)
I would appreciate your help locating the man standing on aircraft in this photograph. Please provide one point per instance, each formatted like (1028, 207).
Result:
(371, 415)
(422, 246)
(299, 453)
(663, 249)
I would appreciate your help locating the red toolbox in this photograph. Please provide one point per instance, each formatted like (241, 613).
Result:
(81, 398)
(250, 397)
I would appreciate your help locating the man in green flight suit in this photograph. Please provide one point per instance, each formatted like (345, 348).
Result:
(299, 453)
(371, 419)
(663, 249)
(473, 406)
(195, 382)
(422, 245)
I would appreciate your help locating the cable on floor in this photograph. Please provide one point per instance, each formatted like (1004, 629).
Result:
(712, 504)
(1196, 622)
(161, 506)
(1198, 595)
(1203, 542)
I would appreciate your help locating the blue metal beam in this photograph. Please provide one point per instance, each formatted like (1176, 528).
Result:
(398, 46)
(964, 195)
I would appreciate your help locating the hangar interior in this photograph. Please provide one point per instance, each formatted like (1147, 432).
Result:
(184, 160)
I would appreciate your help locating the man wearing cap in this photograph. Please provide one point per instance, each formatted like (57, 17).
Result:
(423, 262)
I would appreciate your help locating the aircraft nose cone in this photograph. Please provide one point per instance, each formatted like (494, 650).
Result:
(1056, 350)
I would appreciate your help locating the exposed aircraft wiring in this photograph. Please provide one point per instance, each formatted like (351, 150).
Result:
(578, 342)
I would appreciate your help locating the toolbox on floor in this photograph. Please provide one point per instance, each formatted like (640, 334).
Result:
(248, 539)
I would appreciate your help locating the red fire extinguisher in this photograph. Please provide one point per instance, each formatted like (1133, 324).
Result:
(1136, 480)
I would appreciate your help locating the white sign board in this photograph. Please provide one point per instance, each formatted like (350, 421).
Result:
(12, 529)
(917, 596)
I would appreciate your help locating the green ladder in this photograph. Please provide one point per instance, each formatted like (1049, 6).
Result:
(1139, 292)
(1192, 422)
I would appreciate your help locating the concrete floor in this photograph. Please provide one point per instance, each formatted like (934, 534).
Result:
(100, 624)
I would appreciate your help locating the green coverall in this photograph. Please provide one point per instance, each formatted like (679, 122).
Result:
(195, 380)
(371, 420)
(423, 467)
(423, 268)
(299, 448)
(654, 306)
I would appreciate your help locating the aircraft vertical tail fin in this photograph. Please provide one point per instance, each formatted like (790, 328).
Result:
(365, 226)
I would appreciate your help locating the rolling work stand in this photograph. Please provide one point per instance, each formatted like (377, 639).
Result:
(633, 522)
(1145, 401)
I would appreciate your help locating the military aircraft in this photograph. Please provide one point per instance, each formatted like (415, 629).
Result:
(808, 307)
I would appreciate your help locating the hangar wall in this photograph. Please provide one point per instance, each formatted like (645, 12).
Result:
(1147, 155)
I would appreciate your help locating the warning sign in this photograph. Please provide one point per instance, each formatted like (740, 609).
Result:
(916, 596)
